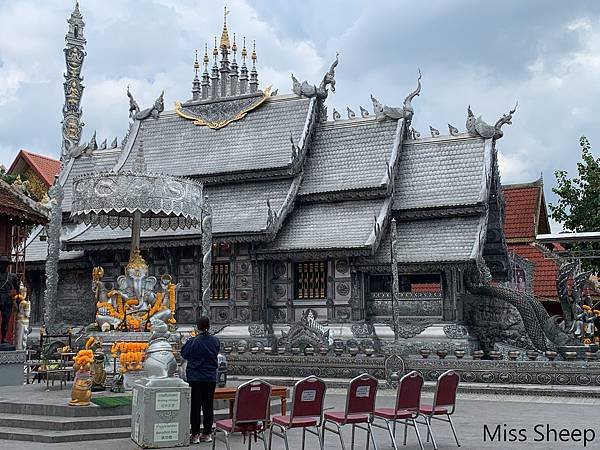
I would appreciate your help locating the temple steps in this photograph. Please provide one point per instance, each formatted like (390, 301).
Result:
(60, 410)
(29, 413)
(58, 423)
(55, 436)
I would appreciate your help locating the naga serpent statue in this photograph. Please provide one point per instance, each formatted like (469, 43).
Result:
(542, 329)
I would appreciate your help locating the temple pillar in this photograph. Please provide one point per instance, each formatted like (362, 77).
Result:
(449, 297)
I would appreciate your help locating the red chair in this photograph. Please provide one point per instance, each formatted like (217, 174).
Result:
(251, 412)
(307, 411)
(444, 404)
(408, 402)
(360, 406)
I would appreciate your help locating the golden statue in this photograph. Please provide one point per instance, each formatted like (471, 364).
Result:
(81, 393)
(135, 301)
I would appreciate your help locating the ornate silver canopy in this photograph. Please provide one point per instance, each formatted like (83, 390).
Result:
(112, 200)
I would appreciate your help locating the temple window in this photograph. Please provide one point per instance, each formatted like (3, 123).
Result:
(381, 283)
(310, 280)
(220, 281)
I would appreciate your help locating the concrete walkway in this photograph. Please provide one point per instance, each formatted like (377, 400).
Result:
(474, 411)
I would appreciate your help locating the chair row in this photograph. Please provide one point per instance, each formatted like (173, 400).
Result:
(251, 411)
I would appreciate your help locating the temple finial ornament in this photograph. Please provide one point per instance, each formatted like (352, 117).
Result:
(407, 106)
(351, 114)
(225, 34)
(114, 143)
(453, 130)
(271, 215)
(434, 132)
(363, 112)
(336, 114)
(253, 73)
(406, 112)
(414, 133)
(72, 126)
(134, 108)
(295, 149)
(306, 90)
(506, 119)
(154, 111)
(196, 89)
(477, 127)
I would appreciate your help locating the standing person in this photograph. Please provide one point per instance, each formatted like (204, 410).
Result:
(201, 353)
(8, 289)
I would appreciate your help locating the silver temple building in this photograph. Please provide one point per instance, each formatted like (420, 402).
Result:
(301, 205)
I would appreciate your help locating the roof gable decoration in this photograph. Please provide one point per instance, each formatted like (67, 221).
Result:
(218, 114)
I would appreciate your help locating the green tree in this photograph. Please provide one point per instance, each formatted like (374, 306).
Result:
(578, 206)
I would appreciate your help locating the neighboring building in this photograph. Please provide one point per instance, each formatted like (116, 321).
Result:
(18, 215)
(301, 205)
(534, 269)
(38, 170)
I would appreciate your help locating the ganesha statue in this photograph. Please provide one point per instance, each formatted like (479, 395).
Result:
(136, 299)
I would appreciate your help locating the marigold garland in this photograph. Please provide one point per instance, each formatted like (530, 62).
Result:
(172, 305)
(157, 304)
(83, 358)
(130, 354)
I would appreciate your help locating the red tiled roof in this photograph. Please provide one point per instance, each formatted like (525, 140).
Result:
(544, 278)
(46, 168)
(13, 206)
(425, 287)
(521, 208)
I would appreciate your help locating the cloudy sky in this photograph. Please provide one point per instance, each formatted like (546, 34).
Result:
(489, 54)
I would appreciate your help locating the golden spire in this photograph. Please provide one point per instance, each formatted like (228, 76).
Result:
(234, 46)
(244, 52)
(253, 52)
(224, 33)
(196, 63)
(206, 60)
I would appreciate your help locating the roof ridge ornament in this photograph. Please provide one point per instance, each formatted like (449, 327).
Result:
(453, 130)
(434, 132)
(406, 112)
(477, 127)
(134, 108)
(363, 112)
(154, 111)
(336, 114)
(351, 114)
(304, 89)
(407, 105)
(414, 133)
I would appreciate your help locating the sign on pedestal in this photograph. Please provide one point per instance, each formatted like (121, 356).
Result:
(160, 413)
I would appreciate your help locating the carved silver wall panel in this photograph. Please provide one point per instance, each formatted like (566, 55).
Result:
(342, 289)
(279, 270)
(342, 267)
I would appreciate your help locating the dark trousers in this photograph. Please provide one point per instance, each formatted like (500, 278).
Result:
(203, 393)
(5, 310)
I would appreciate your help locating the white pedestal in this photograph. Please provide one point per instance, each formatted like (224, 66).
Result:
(161, 413)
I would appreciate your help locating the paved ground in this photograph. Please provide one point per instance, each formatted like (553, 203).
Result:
(474, 411)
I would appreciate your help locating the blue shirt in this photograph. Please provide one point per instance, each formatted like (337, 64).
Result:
(201, 353)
